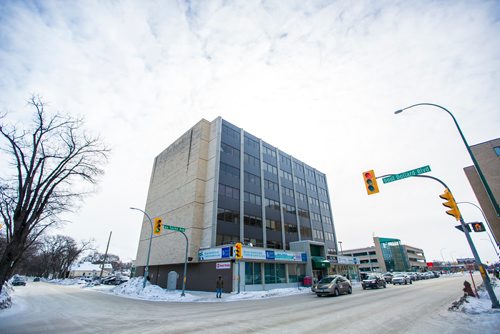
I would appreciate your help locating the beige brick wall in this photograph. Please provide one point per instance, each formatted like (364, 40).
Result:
(181, 193)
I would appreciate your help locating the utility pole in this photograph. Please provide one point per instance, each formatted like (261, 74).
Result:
(105, 254)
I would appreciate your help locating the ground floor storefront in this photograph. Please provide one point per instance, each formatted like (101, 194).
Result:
(257, 269)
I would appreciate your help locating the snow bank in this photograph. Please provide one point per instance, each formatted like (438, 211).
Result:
(133, 289)
(5, 300)
(483, 303)
(65, 281)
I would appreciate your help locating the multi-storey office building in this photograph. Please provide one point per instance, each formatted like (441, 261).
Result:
(388, 255)
(487, 155)
(224, 185)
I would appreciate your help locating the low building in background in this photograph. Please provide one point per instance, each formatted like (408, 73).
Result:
(87, 269)
(388, 254)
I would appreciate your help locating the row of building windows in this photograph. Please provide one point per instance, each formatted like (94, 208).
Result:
(231, 133)
(290, 228)
(300, 182)
(270, 168)
(317, 234)
(269, 151)
(287, 191)
(252, 198)
(303, 213)
(252, 143)
(271, 185)
(229, 216)
(230, 151)
(315, 216)
(288, 208)
(285, 161)
(272, 204)
(252, 178)
(286, 175)
(251, 160)
(329, 236)
(229, 192)
(273, 225)
(313, 201)
(250, 220)
(229, 170)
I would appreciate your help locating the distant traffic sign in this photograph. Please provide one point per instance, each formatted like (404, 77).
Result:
(174, 228)
(413, 172)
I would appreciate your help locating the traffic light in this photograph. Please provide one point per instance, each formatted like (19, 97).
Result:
(157, 226)
(478, 227)
(370, 182)
(238, 250)
(450, 203)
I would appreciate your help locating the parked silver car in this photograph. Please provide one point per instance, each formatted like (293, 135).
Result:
(401, 279)
(333, 285)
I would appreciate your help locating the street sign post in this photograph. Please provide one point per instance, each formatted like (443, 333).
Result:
(174, 228)
(413, 172)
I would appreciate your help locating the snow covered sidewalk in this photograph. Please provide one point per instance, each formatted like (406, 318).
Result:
(133, 289)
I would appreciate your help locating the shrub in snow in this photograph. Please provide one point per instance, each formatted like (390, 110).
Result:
(5, 300)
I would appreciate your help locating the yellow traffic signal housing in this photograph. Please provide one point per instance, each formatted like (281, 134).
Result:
(370, 182)
(450, 203)
(157, 226)
(238, 250)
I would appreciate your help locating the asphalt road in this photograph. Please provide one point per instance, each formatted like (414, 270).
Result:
(417, 308)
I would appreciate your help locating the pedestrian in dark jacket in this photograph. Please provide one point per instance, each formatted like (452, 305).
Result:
(219, 284)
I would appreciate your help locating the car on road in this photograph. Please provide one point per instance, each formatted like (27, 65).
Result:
(114, 280)
(19, 280)
(373, 281)
(36, 279)
(413, 276)
(333, 285)
(388, 277)
(401, 279)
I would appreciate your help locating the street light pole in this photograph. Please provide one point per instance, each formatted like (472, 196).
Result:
(146, 270)
(484, 273)
(441, 251)
(479, 171)
(341, 251)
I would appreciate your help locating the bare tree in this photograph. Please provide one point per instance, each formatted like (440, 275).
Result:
(52, 163)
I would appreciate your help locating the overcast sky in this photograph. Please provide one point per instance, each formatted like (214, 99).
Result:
(318, 79)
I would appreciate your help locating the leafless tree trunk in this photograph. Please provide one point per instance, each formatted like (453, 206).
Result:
(52, 164)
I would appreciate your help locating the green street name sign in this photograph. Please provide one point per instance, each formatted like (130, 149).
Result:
(409, 173)
(174, 228)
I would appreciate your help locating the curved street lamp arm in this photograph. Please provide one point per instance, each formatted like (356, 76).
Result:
(491, 197)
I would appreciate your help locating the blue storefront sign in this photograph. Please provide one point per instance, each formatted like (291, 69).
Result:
(269, 255)
(226, 251)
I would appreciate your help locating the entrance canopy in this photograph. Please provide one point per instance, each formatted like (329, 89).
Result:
(319, 262)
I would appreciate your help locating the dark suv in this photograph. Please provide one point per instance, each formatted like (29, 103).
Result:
(373, 281)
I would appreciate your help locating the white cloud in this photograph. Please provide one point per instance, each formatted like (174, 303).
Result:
(143, 73)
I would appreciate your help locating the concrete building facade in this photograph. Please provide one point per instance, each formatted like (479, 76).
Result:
(487, 155)
(224, 185)
(388, 254)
